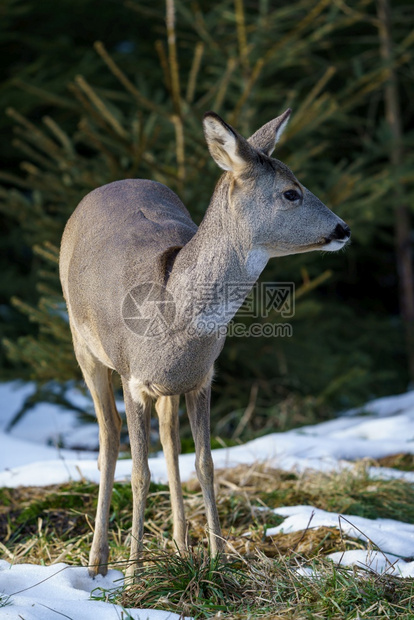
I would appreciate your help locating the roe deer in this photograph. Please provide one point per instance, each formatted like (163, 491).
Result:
(139, 277)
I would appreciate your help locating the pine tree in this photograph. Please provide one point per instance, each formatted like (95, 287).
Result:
(248, 63)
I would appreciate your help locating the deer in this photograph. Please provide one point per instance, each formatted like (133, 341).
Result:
(135, 269)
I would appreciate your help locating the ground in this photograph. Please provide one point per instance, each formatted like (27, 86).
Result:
(297, 509)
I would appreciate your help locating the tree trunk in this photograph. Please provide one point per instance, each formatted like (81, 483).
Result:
(401, 210)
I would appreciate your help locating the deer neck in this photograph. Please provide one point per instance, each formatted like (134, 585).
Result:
(216, 269)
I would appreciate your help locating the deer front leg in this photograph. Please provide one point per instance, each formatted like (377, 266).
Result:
(167, 409)
(138, 416)
(198, 409)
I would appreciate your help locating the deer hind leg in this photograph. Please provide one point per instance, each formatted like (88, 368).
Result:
(138, 418)
(167, 410)
(198, 409)
(98, 379)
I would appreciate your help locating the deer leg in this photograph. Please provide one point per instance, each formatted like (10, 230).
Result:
(198, 409)
(167, 409)
(98, 379)
(138, 418)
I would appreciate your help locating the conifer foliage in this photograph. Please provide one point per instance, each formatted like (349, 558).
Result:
(133, 108)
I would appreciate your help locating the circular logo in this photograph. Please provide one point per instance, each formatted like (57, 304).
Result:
(148, 310)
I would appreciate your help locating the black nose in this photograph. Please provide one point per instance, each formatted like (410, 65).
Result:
(341, 232)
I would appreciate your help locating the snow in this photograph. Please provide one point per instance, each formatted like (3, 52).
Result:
(31, 454)
(45, 592)
(389, 535)
(359, 434)
(377, 561)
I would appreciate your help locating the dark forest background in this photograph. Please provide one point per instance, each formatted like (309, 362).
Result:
(94, 91)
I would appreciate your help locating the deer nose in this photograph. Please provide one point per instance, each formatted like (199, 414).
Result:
(341, 232)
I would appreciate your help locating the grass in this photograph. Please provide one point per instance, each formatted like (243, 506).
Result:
(258, 577)
(194, 583)
(402, 461)
(4, 600)
(353, 492)
(268, 588)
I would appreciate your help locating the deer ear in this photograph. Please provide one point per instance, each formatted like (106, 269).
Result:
(223, 143)
(266, 138)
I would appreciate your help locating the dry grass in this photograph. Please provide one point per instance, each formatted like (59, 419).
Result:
(257, 578)
(55, 523)
(402, 461)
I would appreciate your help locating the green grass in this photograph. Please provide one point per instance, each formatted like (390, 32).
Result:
(232, 588)
(258, 578)
(194, 583)
(348, 492)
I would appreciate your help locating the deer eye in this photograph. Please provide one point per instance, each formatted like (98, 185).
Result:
(291, 195)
